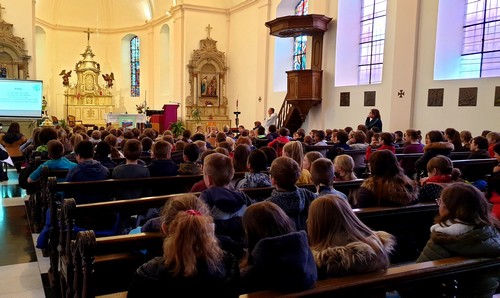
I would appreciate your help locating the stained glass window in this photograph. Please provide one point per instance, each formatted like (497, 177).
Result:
(372, 36)
(481, 39)
(135, 69)
(299, 42)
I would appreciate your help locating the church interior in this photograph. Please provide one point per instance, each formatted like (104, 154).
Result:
(211, 59)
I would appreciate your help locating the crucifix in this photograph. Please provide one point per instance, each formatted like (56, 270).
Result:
(1, 7)
(88, 35)
(208, 30)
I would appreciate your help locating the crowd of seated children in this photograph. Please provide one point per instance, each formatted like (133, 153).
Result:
(193, 264)
(440, 173)
(322, 173)
(255, 177)
(343, 245)
(344, 168)
(434, 145)
(226, 205)
(190, 156)
(278, 257)
(240, 158)
(293, 200)
(295, 151)
(131, 169)
(413, 145)
(161, 164)
(280, 141)
(465, 227)
(387, 184)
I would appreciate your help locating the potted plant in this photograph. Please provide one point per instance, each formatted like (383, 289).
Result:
(177, 128)
(196, 114)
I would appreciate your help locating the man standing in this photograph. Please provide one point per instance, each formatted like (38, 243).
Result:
(272, 119)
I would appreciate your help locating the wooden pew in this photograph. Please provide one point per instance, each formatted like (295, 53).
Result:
(106, 265)
(409, 276)
(409, 224)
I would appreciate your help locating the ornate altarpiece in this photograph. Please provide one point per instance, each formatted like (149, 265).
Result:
(207, 79)
(13, 55)
(87, 100)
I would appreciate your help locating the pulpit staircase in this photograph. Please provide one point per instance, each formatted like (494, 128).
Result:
(289, 117)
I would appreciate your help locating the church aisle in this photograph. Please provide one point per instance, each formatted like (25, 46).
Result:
(21, 275)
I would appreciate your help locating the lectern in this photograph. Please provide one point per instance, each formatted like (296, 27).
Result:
(162, 121)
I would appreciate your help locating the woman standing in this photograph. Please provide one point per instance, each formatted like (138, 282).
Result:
(374, 120)
(12, 141)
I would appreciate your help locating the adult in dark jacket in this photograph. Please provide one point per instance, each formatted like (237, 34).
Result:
(279, 258)
(434, 145)
(374, 120)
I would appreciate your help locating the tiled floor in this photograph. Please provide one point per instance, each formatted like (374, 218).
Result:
(22, 267)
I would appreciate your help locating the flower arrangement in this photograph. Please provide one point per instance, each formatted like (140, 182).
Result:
(141, 108)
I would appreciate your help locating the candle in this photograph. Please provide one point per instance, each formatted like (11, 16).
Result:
(237, 98)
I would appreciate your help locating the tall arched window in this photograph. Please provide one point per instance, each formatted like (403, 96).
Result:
(135, 69)
(481, 39)
(371, 45)
(299, 42)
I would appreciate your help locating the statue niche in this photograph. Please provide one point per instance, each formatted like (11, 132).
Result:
(207, 72)
(13, 55)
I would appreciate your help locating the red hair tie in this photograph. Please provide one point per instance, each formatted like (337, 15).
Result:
(193, 212)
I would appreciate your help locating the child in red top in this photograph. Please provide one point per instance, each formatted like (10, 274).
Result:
(280, 141)
(384, 142)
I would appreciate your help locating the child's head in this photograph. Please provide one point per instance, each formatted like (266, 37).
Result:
(309, 158)
(132, 149)
(240, 159)
(284, 131)
(110, 139)
(146, 143)
(344, 166)
(479, 143)
(261, 130)
(322, 172)
(181, 203)
(191, 241)
(102, 149)
(386, 139)
(319, 136)
(439, 165)
(464, 203)
(493, 137)
(360, 136)
(295, 151)
(257, 161)
(191, 152)
(264, 220)
(55, 149)
(217, 170)
(331, 222)
(270, 153)
(398, 135)
(96, 135)
(383, 163)
(412, 135)
(434, 136)
(285, 172)
(162, 150)
(202, 145)
(342, 137)
(465, 136)
(84, 150)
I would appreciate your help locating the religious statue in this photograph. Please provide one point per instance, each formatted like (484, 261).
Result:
(212, 88)
(204, 82)
(109, 78)
(65, 76)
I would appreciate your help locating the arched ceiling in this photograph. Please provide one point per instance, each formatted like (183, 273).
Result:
(113, 14)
